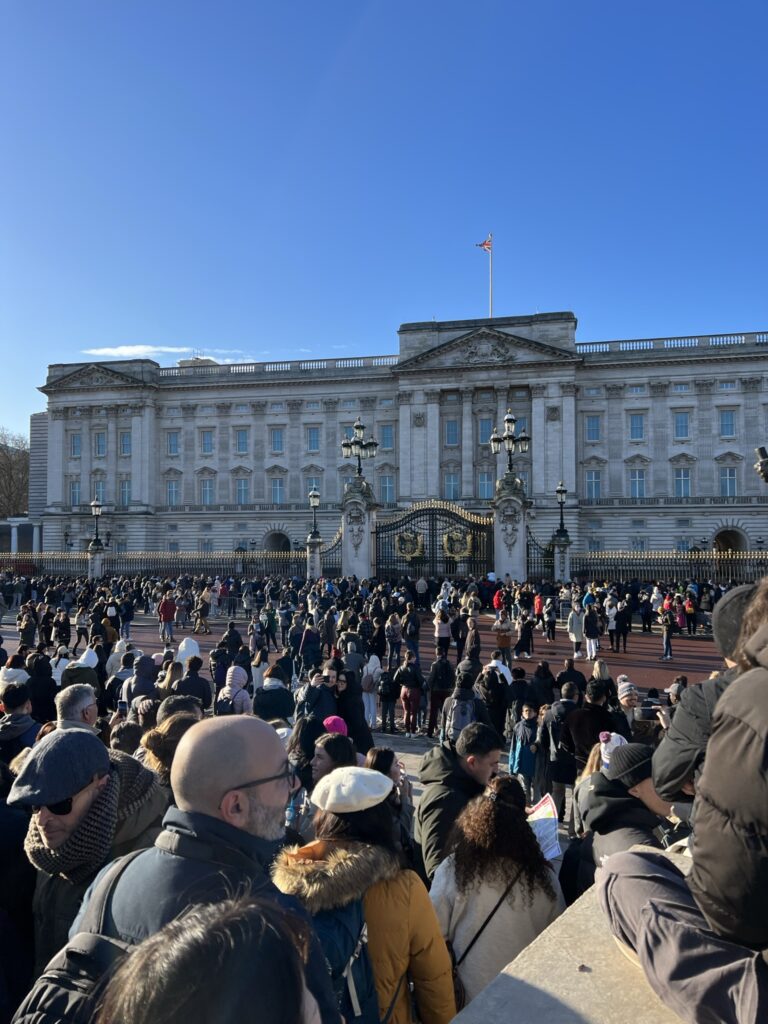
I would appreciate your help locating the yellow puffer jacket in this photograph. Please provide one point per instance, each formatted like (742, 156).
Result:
(403, 932)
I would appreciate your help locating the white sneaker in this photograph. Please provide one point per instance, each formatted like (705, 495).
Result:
(407, 735)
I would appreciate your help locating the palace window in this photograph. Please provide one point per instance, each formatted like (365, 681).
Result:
(75, 445)
(241, 441)
(592, 428)
(728, 482)
(682, 483)
(485, 484)
(451, 486)
(172, 442)
(637, 426)
(125, 442)
(592, 481)
(637, 483)
(172, 492)
(387, 487)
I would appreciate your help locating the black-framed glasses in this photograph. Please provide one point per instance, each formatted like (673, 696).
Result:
(60, 809)
(288, 773)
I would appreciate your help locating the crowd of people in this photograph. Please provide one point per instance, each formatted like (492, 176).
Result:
(250, 805)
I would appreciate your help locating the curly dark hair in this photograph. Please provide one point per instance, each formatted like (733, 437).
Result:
(492, 841)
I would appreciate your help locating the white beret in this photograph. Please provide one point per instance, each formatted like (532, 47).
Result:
(349, 789)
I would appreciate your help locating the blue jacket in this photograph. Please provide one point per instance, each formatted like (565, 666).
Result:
(522, 760)
(212, 860)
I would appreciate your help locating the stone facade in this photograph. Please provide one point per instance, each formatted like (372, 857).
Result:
(654, 439)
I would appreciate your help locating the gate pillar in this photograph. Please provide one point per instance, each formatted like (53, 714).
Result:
(358, 529)
(509, 529)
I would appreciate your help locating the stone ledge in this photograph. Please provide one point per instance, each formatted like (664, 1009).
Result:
(574, 973)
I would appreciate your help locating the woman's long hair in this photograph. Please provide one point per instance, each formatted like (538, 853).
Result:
(254, 948)
(492, 842)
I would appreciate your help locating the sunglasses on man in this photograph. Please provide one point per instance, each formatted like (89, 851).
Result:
(60, 809)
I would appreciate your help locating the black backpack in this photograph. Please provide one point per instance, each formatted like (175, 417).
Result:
(387, 688)
(224, 706)
(69, 989)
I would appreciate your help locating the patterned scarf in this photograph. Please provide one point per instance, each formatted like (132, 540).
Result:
(89, 846)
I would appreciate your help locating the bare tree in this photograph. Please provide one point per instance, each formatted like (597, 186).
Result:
(14, 473)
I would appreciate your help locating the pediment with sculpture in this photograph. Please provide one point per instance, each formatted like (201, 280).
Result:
(486, 347)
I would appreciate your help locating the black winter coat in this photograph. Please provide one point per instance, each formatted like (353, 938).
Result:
(209, 860)
(562, 763)
(582, 729)
(729, 878)
(680, 755)
(447, 791)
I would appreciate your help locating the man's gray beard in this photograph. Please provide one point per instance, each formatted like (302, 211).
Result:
(266, 822)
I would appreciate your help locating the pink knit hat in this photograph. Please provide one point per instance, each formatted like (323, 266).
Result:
(333, 723)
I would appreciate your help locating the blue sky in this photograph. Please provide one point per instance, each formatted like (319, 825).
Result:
(253, 180)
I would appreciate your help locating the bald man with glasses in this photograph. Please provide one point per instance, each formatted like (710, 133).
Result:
(231, 780)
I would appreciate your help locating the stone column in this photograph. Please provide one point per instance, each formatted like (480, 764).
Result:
(57, 458)
(509, 530)
(14, 525)
(294, 449)
(658, 429)
(568, 452)
(110, 497)
(358, 525)
(138, 495)
(751, 412)
(705, 468)
(615, 434)
(259, 449)
(467, 445)
(502, 404)
(36, 537)
(331, 482)
(538, 446)
(433, 445)
(405, 485)
(223, 449)
(86, 457)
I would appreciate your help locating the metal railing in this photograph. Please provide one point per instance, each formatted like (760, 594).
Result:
(670, 566)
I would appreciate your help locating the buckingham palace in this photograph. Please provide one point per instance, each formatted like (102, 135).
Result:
(653, 439)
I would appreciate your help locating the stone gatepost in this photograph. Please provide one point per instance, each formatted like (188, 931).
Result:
(509, 529)
(358, 508)
(314, 563)
(95, 562)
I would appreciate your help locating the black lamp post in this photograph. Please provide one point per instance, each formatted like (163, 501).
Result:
(561, 537)
(314, 504)
(358, 446)
(512, 441)
(561, 492)
(96, 509)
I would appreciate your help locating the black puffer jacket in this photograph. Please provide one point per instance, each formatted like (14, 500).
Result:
(680, 755)
(729, 879)
(447, 791)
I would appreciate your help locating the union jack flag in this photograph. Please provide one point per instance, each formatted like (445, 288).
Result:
(487, 245)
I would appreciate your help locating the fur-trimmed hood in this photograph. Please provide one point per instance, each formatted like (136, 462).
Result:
(326, 875)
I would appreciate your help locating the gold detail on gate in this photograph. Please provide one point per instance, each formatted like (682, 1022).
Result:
(457, 544)
(409, 545)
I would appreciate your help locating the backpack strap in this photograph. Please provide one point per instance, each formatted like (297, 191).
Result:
(347, 973)
(94, 919)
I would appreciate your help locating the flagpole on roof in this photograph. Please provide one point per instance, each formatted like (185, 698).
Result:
(490, 277)
(487, 246)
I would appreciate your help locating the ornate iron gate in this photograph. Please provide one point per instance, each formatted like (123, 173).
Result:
(330, 556)
(434, 538)
(540, 558)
